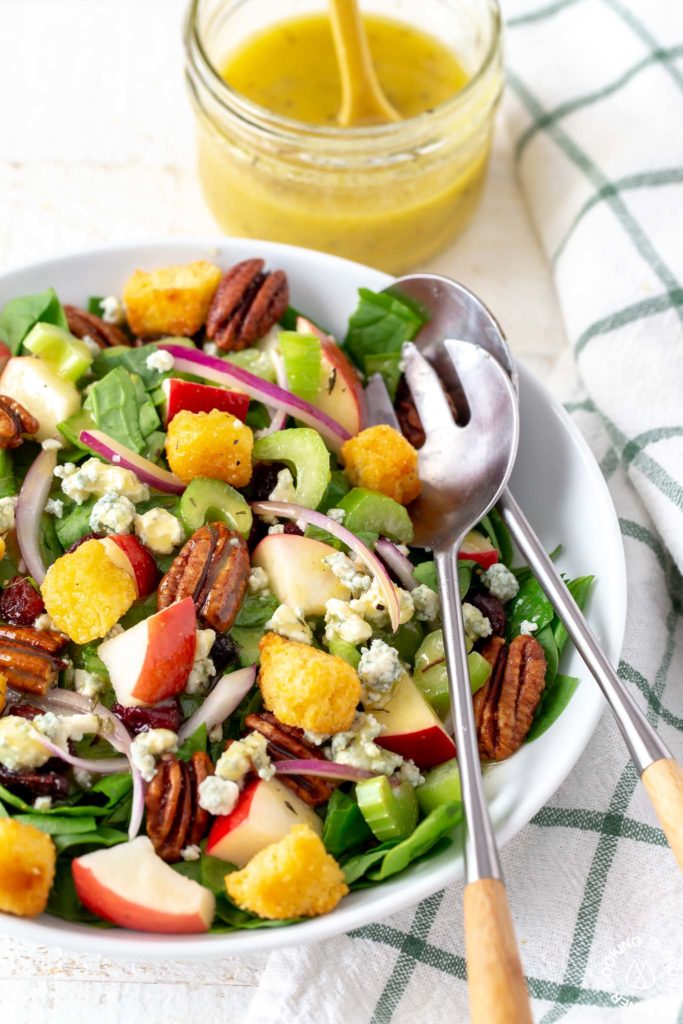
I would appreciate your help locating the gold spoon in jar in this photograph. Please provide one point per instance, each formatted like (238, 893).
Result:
(363, 100)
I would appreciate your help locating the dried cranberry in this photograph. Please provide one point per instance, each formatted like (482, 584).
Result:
(264, 480)
(258, 531)
(492, 608)
(224, 653)
(83, 539)
(26, 711)
(27, 784)
(163, 716)
(20, 602)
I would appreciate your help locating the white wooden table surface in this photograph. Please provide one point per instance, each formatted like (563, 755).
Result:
(96, 146)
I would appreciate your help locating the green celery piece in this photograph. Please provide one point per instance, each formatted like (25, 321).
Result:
(370, 511)
(406, 640)
(113, 404)
(579, 589)
(390, 811)
(554, 701)
(386, 363)
(344, 828)
(75, 524)
(343, 649)
(68, 356)
(8, 483)
(301, 354)
(479, 668)
(19, 315)
(380, 323)
(71, 428)
(441, 786)
(208, 501)
(531, 605)
(255, 361)
(303, 451)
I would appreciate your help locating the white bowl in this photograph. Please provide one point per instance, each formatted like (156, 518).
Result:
(557, 482)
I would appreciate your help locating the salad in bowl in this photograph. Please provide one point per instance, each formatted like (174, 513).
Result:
(223, 693)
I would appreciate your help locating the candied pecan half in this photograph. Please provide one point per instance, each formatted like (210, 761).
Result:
(247, 302)
(20, 602)
(29, 657)
(212, 568)
(174, 818)
(504, 707)
(15, 421)
(83, 324)
(287, 743)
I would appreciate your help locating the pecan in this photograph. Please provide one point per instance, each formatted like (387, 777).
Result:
(504, 707)
(29, 657)
(212, 568)
(83, 324)
(15, 421)
(246, 304)
(287, 743)
(31, 783)
(174, 818)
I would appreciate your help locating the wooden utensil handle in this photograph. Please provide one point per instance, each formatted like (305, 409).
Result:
(498, 993)
(663, 781)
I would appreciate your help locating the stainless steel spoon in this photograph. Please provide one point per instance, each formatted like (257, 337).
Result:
(463, 470)
(455, 312)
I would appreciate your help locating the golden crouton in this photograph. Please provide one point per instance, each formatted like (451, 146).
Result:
(27, 868)
(214, 444)
(307, 688)
(171, 300)
(381, 459)
(3, 692)
(294, 877)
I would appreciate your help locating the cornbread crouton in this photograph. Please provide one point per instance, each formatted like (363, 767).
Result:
(3, 692)
(27, 868)
(306, 687)
(85, 593)
(171, 300)
(381, 459)
(213, 444)
(294, 877)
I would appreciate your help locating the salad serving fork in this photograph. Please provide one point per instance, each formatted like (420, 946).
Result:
(464, 467)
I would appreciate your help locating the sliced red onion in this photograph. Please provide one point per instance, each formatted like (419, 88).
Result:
(221, 701)
(286, 510)
(67, 700)
(323, 769)
(304, 326)
(30, 504)
(401, 566)
(102, 765)
(279, 417)
(186, 360)
(116, 453)
(138, 805)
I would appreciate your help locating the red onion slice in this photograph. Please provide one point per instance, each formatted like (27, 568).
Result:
(285, 510)
(138, 805)
(103, 765)
(30, 504)
(228, 692)
(323, 769)
(116, 453)
(114, 732)
(401, 566)
(187, 360)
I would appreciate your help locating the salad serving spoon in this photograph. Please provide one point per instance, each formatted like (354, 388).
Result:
(463, 468)
(455, 312)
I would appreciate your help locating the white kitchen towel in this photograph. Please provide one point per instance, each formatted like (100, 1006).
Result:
(597, 114)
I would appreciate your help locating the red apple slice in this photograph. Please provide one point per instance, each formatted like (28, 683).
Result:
(185, 394)
(152, 660)
(264, 813)
(341, 394)
(298, 577)
(478, 548)
(133, 888)
(412, 728)
(129, 554)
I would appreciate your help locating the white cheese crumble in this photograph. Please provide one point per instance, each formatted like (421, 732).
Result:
(62, 728)
(92, 346)
(258, 582)
(337, 515)
(192, 852)
(111, 310)
(284, 489)
(51, 444)
(218, 796)
(378, 669)
(112, 513)
(476, 624)
(291, 624)
(348, 573)
(276, 528)
(159, 531)
(7, 507)
(527, 627)
(95, 479)
(55, 506)
(42, 803)
(244, 756)
(210, 347)
(342, 621)
(88, 684)
(427, 604)
(19, 744)
(147, 746)
(45, 622)
(83, 778)
(372, 605)
(116, 630)
(160, 360)
(500, 582)
(203, 669)
(357, 747)
(317, 738)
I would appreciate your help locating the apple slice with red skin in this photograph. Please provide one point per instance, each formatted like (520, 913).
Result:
(298, 577)
(412, 728)
(192, 397)
(128, 553)
(132, 887)
(478, 548)
(152, 660)
(341, 393)
(263, 814)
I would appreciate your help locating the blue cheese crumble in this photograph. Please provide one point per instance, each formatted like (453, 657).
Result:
(160, 360)
(291, 624)
(500, 582)
(357, 748)
(246, 755)
(218, 796)
(348, 573)
(477, 625)
(203, 669)
(372, 605)
(148, 746)
(112, 513)
(378, 669)
(159, 531)
(7, 508)
(94, 479)
(427, 604)
(55, 507)
(342, 621)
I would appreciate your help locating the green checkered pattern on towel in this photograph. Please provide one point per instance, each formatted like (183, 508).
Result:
(595, 101)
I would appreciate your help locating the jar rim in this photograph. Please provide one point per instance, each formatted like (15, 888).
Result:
(261, 117)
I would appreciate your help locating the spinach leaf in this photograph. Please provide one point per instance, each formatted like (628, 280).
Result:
(75, 524)
(531, 605)
(20, 314)
(8, 483)
(380, 324)
(104, 836)
(552, 705)
(63, 901)
(256, 611)
(546, 639)
(499, 535)
(355, 867)
(195, 742)
(132, 359)
(52, 548)
(58, 825)
(435, 826)
(389, 365)
(425, 573)
(113, 404)
(345, 827)
(336, 489)
(247, 640)
(579, 589)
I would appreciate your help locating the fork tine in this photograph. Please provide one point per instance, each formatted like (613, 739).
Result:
(379, 404)
(426, 390)
(483, 380)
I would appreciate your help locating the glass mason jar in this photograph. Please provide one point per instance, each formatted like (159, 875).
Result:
(388, 195)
